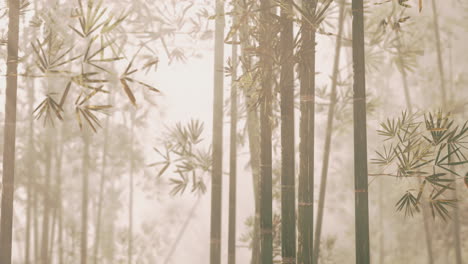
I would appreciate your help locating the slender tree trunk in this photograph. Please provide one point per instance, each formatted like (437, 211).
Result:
(105, 147)
(253, 135)
(360, 137)
(130, 199)
(328, 134)
(443, 90)
(233, 152)
(288, 194)
(182, 231)
(404, 75)
(306, 127)
(47, 199)
(266, 183)
(254, 146)
(52, 243)
(59, 202)
(9, 139)
(30, 175)
(85, 199)
(217, 168)
(381, 224)
(36, 215)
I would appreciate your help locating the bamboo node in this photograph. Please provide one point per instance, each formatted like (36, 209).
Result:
(215, 241)
(307, 98)
(305, 204)
(360, 190)
(288, 260)
(266, 231)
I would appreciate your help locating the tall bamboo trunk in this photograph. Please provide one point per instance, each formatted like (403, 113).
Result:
(217, 168)
(288, 194)
(46, 198)
(306, 133)
(58, 202)
(30, 175)
(182, 231)
(409, 106)
(9, 137)
(328, 134)
(85, 199)
(97, 239)
(253, 135)
(360, 137)
(254, 148)
(233, 152)
(266, 203)
(440, 63)
(381, 225)
(443, 91)
(52, 242)
(130, 196)
(36, 216)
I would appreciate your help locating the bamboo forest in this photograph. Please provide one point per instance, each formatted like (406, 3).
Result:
(234, 131)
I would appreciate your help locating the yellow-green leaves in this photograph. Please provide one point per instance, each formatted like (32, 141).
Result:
(85, 112)
(48, 109)
(125, 79)
(128, 92)
(430, 147)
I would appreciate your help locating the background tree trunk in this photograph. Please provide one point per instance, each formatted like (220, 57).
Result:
(97, 239)
(46, 197)
(85, 199)
(328, 134)
(130, 196)
(443, 91)
(253, 134)
(217, 168)
(30, 175)
(233, 151)
(9, 138)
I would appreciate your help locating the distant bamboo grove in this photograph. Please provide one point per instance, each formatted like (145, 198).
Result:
(345, 120)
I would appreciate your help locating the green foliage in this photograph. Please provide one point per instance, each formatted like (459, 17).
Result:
(430, 148)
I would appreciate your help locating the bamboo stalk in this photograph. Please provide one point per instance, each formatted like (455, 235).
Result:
(217, 168)
(328, 135)
(360, 137)
(288, 194)
(233, 151)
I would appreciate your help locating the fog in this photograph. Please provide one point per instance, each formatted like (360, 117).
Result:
(241, 131)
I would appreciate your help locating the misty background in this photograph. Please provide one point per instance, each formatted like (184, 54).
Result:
(79, 119)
